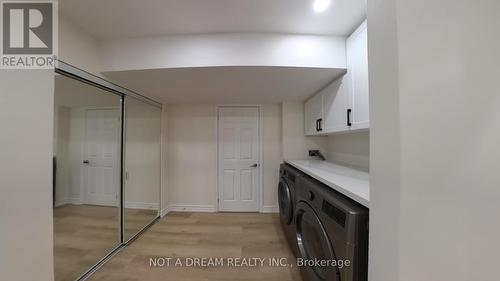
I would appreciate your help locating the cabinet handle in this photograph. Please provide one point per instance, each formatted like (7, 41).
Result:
(349, 117)
(320, 124)
(317, 125)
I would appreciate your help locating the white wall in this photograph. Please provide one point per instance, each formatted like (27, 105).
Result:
(192, 155)
(384, 263)
(224, 50)
(295, 145)
(435, 217)
(26, 123)
(272, 155)
(352, 149)
(192, 158)
(78, 48)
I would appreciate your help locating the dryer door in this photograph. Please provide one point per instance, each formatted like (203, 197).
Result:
(285, 200)
(314, 245)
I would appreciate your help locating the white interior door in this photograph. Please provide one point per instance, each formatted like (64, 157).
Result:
(238, 148)
(101, 154)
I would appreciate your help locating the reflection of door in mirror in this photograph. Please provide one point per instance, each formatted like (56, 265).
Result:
(142, 165)
(101, 170)
(87, 178)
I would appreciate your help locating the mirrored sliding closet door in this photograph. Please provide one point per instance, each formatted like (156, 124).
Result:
(87, 176)
(106, 170)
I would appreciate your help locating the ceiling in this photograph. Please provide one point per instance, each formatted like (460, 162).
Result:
(114, 19)
(235, 84)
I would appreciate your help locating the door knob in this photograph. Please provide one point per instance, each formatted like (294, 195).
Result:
(255, 165)
(86, 162)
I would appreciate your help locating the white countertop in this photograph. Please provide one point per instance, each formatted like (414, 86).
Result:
(354, 184)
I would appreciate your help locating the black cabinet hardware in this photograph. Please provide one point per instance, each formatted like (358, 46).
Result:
(349, 117)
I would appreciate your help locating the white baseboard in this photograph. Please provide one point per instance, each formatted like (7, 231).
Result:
(141, 205)
(65, 201)
(189, 208)
(75, 201)
(270, 209)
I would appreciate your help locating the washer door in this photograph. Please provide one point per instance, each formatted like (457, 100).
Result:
(285, 200)
(314, 244)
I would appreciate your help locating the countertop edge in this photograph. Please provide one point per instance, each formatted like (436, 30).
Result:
(338, 188)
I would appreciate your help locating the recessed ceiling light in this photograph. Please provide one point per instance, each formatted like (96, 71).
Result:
(321, 5)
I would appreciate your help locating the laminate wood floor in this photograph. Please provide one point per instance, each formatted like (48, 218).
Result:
(216, 235)
(83, 234)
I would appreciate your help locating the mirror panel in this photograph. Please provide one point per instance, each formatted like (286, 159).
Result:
(87, 170)
(142, 165)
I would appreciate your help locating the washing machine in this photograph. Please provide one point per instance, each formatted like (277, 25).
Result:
(287, 200)
(333, 228)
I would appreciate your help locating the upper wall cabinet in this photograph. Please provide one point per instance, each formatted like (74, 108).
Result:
(357, 60)
(343, 105)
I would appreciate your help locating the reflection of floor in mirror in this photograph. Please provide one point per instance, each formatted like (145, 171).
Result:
(83, 234)
(136, 219)
(189, 235)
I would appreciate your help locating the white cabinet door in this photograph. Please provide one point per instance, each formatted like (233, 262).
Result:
(337, 99)
(357, 63)
(313, 113)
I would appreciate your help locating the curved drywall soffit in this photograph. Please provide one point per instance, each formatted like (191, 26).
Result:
(286, 50)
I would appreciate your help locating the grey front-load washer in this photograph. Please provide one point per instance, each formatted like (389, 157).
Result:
(331, 227)
(287, 201)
